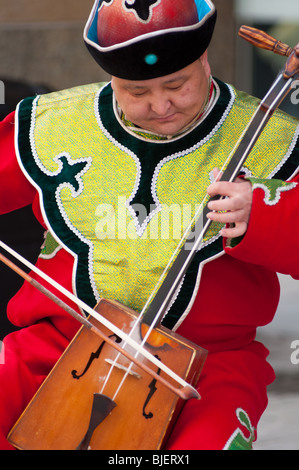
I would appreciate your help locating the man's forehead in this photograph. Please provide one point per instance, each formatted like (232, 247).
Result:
(181, 75)
(148, 84)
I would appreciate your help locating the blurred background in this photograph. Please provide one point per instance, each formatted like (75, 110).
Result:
(41, 49)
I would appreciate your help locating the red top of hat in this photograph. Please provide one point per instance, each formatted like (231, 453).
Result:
(123, 20)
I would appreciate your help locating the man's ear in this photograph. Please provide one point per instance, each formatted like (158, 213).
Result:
(205, 63)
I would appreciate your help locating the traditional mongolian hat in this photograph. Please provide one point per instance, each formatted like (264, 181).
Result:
(143, 39)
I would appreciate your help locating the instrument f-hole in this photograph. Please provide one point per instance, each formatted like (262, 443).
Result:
(153, 389)
(93, 356)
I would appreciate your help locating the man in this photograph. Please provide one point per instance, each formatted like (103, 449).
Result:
(102, 165)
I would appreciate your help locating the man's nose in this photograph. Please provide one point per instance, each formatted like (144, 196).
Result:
(160, 104)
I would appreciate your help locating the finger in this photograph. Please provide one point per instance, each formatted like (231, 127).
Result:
(233, 203)
(234, 232)
(217, 174)
(230, 217)
(224, 204)
(221, 188)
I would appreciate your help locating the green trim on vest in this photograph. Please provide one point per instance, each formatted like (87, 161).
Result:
(82, 161)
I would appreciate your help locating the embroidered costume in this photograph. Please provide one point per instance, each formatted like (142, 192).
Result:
(102, 189)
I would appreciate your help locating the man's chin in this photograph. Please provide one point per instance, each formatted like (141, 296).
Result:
(166, 128)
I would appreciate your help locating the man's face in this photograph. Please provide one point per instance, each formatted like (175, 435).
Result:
(165, 105)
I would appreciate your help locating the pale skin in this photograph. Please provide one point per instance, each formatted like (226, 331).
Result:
(166, 105)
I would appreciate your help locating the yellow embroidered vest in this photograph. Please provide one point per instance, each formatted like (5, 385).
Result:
(120, 203)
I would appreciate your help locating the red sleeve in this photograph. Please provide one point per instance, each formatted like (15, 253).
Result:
(272, 237)
(15, 189)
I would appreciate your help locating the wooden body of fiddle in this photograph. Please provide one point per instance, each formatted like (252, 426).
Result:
(58, 416)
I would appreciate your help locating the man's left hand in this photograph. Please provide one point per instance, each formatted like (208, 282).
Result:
(233, 208)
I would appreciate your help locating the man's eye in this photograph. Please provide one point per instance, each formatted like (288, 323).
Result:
(175, 87)
(138, 93)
